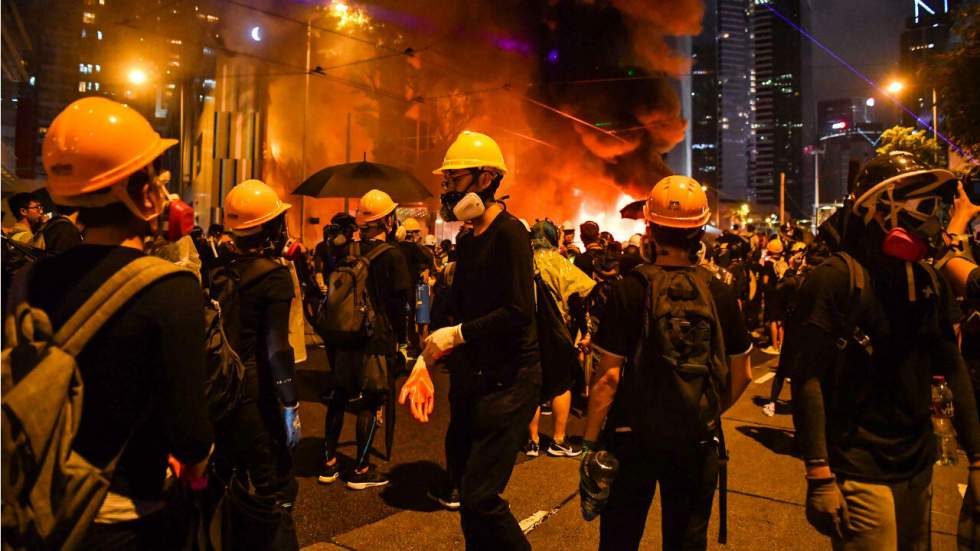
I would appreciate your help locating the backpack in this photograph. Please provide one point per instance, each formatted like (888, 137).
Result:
(50, 493)
(346, 317)
(16, 256)
(676, 378)
(225, 382)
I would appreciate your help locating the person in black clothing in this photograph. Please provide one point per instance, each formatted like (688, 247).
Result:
(686, 476)
(494, 365)
(60, 232)
(143, 372)
(259, 436)
(365, 373)
(588, 260)
(862, 397)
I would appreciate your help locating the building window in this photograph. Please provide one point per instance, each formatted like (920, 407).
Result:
(81, 86)
(88, 17)
(84, 34)
(98, 68)
(98, 35)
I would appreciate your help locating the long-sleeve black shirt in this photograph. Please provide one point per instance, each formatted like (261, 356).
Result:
(493, 297)
(391, 288)
(148, 359)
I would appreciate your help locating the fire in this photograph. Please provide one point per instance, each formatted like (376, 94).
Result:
(608, 218)
(348, 15)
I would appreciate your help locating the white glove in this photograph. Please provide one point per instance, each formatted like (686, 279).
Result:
(441, 341)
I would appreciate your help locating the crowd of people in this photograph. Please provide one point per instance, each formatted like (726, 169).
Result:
(149, 371)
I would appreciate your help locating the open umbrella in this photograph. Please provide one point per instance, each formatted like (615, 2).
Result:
(356, 179)
(633, 211)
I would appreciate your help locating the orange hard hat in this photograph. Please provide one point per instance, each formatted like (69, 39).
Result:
(775, 247)
(677, 202)
(251, 204)
(95, 143)
(374, 205)
(411, 224)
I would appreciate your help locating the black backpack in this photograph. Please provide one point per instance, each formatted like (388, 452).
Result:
(225, 382)
(347, 318)
(16, 256)
(672, 386)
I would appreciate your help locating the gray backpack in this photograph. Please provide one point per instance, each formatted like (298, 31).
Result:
(51, 494)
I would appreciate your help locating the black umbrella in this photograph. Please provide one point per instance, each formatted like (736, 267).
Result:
(633, 211)
(356, 179)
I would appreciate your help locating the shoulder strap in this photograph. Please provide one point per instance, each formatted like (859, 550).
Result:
(376, 252)
(859, 299)
(109, 298)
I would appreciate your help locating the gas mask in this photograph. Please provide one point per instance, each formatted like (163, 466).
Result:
(174, 217)
(467, 205)
(912, 227)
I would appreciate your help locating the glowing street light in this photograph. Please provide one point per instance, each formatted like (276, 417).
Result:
(895, 87)
(136, 76)
(256, 33)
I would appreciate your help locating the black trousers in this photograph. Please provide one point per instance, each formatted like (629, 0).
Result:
(687, 479)
(487, 428)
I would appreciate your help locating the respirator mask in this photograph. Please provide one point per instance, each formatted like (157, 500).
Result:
(467, 205)
(912, 227)
(174, 216)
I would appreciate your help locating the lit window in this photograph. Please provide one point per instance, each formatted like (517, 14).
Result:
(96, 86)
(88, 17)
(98, 68)
(101, 2)
(81, 68)
(84, 33)
(98, 35)
(81, 86)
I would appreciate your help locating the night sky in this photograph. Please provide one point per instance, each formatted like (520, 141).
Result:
(864, 32)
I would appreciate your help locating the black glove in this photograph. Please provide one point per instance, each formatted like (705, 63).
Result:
(826, 509)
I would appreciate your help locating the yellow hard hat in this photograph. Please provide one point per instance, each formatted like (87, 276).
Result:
(799, 246)
(251, 204)
(95, 143)
(374, 205)
(677, 202)
(411, 224)
(473, 150)
(775, 247)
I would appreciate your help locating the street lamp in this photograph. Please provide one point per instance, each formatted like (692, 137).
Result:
(894, 87)
(136, 76)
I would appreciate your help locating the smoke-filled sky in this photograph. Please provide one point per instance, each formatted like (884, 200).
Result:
(504, 67)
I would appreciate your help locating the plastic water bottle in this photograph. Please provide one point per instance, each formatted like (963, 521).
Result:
(599, 470)
(942, 421)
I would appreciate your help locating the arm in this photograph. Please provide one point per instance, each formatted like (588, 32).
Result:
(739, 377)
(181, 336)
(959, 272)
(278, 351)
(602, 394)
(808, 404)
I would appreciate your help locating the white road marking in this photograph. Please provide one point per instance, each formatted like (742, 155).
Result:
(765, 378)
(532, 521)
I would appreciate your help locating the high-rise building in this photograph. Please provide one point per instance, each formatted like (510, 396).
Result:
(848, 136)
(777, 116)
(928, 32)
(720, 125)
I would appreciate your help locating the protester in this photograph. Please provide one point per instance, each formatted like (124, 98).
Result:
(586, 261)
(494, 365)
(565, 285)
(143, 371)
(875, 326)
(364, 369)
(773, 308)
(58, 233)
(568, 247)
(28, 217)
(258, 438)
(659, 437)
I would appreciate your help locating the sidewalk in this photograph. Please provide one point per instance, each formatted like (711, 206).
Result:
(766, 498)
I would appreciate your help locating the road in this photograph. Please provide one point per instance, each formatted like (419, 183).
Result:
(766, 486)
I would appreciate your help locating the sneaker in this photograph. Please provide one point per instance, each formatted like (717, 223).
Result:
(368, 479)
(769, 409)
(448, 500)
(770, 350)
(329, 473)
(531, 448)
(563, 449)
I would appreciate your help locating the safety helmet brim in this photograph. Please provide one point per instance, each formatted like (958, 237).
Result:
(938, 177)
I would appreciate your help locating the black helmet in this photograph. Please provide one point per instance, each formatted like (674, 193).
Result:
(900, 176)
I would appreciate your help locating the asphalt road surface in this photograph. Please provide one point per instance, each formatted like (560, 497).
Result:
(766, 486)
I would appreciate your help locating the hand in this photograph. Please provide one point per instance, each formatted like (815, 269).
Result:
(585, 345)
(290, 417)
(419, 391)
(441, 341)
(826, 509)
(963, 211)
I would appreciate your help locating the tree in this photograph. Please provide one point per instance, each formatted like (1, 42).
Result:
(916, 142)
(957, 77)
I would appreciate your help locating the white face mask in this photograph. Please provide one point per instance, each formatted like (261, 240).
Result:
(469, 207)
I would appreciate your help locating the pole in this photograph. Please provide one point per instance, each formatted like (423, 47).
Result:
(816, 187)
(782, 197)
(935, 117)
(347, 160)
(306, 109)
